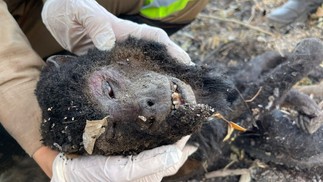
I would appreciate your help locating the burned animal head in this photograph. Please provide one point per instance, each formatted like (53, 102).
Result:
(149, 98)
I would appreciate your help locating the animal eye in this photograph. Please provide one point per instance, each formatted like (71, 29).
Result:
(110, 92)
(108, 89)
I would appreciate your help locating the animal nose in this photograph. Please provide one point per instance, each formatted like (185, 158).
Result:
(149, 109)
(150, 103)
(154, 108)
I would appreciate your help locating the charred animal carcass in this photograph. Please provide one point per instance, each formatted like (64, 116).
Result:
(147, 98)
(144, 98)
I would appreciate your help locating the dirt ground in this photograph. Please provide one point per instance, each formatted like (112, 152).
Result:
(244, 21)
(234, 31)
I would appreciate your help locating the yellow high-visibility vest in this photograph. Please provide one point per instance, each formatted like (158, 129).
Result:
(158, 9)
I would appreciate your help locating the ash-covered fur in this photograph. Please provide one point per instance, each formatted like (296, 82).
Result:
(66, 103)
(277, 134)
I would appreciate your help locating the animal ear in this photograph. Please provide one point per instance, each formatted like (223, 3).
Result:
(57, 60)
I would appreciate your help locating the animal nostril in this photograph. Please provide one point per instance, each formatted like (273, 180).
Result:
(150, 103)
(151, 120)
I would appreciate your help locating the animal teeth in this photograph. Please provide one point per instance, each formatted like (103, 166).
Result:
(175, 102)
(176, 97)
(175, 87)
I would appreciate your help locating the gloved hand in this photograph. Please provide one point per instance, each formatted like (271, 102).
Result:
(78, 24)
(150, 165)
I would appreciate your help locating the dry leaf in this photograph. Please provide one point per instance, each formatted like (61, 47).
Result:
(217, 115)
(231, 126)
(230, 131)
(93, 129)
(237, 127)
(319, 12)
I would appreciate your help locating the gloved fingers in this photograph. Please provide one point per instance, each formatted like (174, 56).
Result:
(57, 19)
(158, 158)
(96, 21)
(126, 28)
(78, 25)
(182, 142)
(146, 163)
(186, 152)
(189, 150)
(116, 168)
(156, 163)
(174, 50)
(81, 169)
(176, 147)
(179, 53)
(58, 169)
(151, 164)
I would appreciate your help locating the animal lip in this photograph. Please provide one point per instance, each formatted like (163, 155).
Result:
(181, 94)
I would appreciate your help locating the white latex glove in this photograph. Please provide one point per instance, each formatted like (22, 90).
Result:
(78, 24)
(148, 166)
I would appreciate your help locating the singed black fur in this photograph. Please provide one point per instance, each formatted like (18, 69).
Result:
(66, 106)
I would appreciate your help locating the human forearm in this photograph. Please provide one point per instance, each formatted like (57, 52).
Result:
(19, 71)
(45, 157)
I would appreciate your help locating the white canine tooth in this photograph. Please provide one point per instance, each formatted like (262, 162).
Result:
(176, 106)
(175, 102)
(175, 86)
(175, 95)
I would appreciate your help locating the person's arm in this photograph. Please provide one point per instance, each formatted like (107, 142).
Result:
(45, 157)
(19, 72)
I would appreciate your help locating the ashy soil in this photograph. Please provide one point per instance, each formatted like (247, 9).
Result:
(243, 21)
(232, 32)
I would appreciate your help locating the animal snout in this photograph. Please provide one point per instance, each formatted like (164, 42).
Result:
(154, 109)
